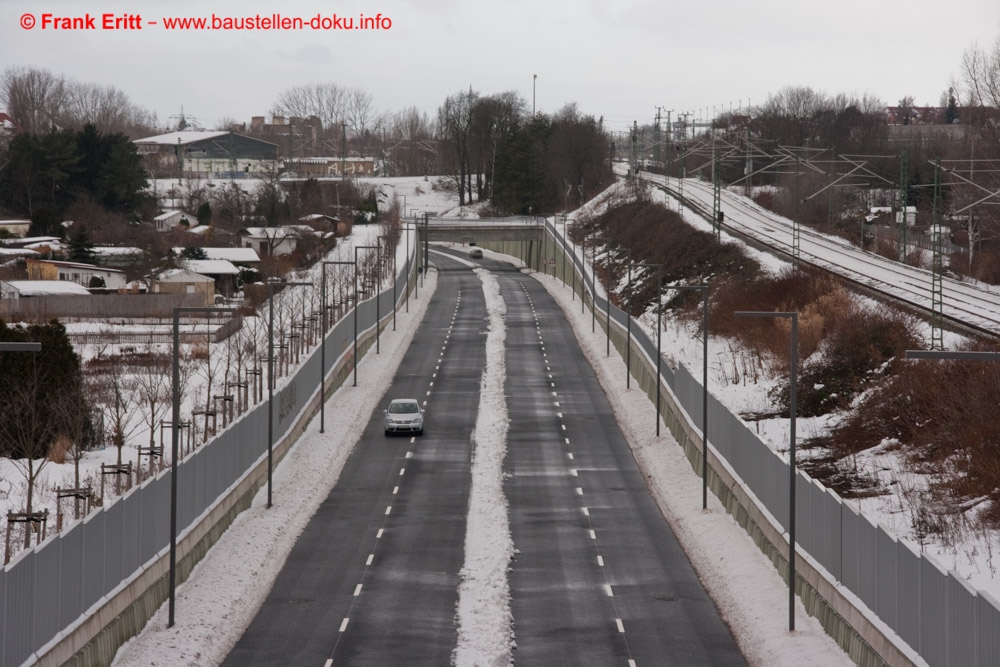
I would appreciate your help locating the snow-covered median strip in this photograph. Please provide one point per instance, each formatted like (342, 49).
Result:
(485, 624)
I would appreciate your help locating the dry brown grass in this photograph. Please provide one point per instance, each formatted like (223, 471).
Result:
(941, 412)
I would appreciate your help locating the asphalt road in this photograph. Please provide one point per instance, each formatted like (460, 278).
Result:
(598, 578)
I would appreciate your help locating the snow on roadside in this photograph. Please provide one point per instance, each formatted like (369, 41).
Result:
(485, 623)
(227, 588)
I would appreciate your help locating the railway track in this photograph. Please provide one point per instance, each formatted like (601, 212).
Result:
(967, 306)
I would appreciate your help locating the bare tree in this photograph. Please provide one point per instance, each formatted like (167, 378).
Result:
(152, 383)
(454, 123)
(360, 114)
(981, 71)
(34, 98)
(32, 433)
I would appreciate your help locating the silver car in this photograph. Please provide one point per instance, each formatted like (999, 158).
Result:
(404, 415)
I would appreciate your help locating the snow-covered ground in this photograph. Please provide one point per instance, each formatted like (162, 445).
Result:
(216, 603)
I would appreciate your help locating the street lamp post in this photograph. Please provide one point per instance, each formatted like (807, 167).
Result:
(659, 333)
(387, 240)
(270, 377)
(628, 327)
(322, 349)
(378, 284)
(791, 452)
(593, 282)
(174, 430)
(704, 386)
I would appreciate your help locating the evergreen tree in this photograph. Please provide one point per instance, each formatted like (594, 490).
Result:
(951, 111)
(41, 398)
(80, 247)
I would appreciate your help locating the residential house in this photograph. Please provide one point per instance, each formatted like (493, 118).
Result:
(221, 271)
(18, 228)
(85, 275)
(270, 241)
(16, 289)
(168, 220)
(183, 281)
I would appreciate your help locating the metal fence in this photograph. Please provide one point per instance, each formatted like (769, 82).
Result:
(45, 590)
(932, 609)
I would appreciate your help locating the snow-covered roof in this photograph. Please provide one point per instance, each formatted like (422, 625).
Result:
(116, 251)
(270, 232)
(182, 276)
(244, 255)
(15, 222)
(211, 267)
(182, 138)
(17, 252)
(47, 287)
(79, 265)
(28, 239)
(167, 215)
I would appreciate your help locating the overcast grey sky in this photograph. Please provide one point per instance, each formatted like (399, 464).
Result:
(616, 59)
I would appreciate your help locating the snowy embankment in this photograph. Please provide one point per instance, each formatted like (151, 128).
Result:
(485, 633)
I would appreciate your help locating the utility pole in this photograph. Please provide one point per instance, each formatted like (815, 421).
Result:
(937, 267)
(904, 186)
(716, 189)
(343, 151)
(656, 138)
(634, 153)
(669, 142)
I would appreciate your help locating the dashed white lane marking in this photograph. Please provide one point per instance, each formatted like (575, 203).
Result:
(607, 589)
(343, 624)
(555, 393)
(556, 404)
(600, 561)
(371, 557)
(388, 510)
(593, 535)
(395, 490)
(621, 627)
(579, 491)
(569, 455)
(428, 393)
(631, 662)
(572, 471)
(329, 662)
(413, 439)
(378, 535)
(432, 384)
(402, 471)
(567, 440)
(409, 455)
(586, 512)
(357, 590)
(564, 427)
(559, 414)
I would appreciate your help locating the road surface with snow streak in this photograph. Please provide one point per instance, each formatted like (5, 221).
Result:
(598, 577)
(373, 579)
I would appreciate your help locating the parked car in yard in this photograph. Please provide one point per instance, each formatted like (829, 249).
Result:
(404, 415)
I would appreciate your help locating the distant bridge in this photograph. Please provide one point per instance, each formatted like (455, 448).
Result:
(482, 230)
